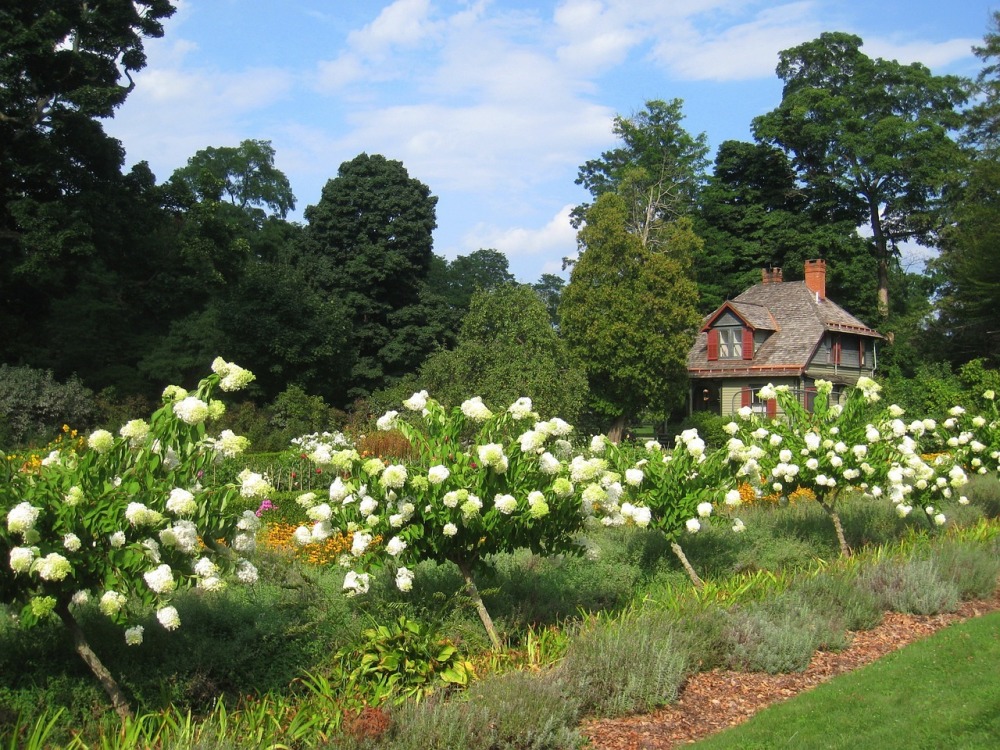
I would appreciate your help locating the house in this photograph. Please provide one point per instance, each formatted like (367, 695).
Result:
(780, 332)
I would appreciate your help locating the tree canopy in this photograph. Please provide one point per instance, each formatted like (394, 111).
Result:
(629, 313)
(369, 239)
(869, 137)
(507, 348)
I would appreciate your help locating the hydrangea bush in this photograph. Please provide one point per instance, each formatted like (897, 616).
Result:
(481, 483)
(675, 491)
(855, 445)
(129, 519)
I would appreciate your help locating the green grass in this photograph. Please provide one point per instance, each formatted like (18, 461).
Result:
(941, 692)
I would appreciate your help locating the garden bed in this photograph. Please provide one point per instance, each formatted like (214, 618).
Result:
(718, 699)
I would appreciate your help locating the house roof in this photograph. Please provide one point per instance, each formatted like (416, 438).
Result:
(797, 319)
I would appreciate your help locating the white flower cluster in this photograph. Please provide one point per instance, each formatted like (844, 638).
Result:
(232, 377)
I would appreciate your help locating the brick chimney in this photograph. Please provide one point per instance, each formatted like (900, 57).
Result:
(816, 277)
(770, 275)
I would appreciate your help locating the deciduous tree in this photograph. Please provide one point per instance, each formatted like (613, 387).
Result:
(870, 136)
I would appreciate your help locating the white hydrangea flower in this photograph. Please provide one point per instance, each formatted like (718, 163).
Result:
(438, 474)
(449, 529)
(191, 410)
(160, 579)
(254, 484)
(733, 498)
(521, 409)
(356, 583)
(492, 455)
(404, 579)
(549, 464)
(138, 514)
(21, 558)
(169, 618)
(101, 441)
(246, 572)
(739, 527)
(506, 504)
(22, 517)
(693, 525)
(52, 567)
(393, 476)
(112, 603)
(417, 402)
(135, 431)
(71, 542)
(181, 502)
(634, 477)
(360, 542)
(395, 546)
(321, 512)
(475, 410)
(133, 636)
(387, 421)
(704, 510)
(302, 536)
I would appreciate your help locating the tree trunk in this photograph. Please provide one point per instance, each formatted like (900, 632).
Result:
(484, 615)
(845, 551)
(616, 430)
(698, 583)
(118, 700)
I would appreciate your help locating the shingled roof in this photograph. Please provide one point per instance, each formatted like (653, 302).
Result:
(797, 318)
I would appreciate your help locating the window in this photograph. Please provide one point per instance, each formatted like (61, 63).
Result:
(842, 349)
(730, 343)
(749, 397)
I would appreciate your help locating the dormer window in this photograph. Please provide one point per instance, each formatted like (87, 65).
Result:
(730, 342)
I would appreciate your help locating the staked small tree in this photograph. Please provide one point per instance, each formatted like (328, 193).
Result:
(479, 483)
(128, 520)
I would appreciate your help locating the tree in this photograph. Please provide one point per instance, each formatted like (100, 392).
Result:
(659, 168)
(629, 313)
(60, 72)
(869, 137)
(970, 294)
(369, 241)
(965, 326)
(126, 520)
(753, 215)
(245, 174)
(71, 224)
(983, 118)
(549, 289)
(507, 349)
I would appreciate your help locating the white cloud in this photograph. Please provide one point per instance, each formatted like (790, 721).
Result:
(557, 237)
(736, 51)
(404, 22)
(932, 54)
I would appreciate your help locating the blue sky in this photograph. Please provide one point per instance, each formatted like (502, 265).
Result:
(493, 104)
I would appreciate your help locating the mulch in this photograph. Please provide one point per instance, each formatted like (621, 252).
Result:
(712, 701)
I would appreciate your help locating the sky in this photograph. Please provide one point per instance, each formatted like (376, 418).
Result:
(493, 104)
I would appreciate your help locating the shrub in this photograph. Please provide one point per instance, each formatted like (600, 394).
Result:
(34, 406)
(911, 586)
(624, 666)
(840, 595)
(780, 635)
(971, 568)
